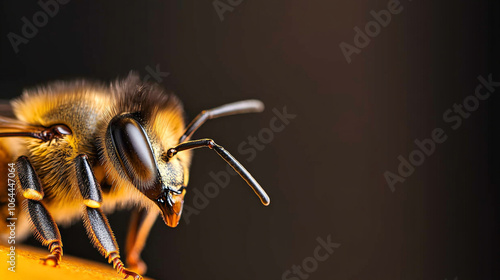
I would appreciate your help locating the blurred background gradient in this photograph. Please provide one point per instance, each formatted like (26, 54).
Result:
(324, 171)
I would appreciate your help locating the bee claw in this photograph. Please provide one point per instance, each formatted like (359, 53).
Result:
(128, 273)
(50, 260)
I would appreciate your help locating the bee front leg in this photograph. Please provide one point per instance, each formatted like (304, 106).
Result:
(141, 223)
(95, 221)
(43, 223)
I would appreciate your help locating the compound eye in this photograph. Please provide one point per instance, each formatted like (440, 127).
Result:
(133, 149)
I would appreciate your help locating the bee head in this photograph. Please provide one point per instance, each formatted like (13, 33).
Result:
(159, 179)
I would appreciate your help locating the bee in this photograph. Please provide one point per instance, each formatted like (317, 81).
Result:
(83, 149)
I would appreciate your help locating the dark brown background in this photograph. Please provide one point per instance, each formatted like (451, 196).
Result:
(324, 171)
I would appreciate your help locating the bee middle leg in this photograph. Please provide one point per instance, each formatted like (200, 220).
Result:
(95, 221)
(141, 223)
(45, 227)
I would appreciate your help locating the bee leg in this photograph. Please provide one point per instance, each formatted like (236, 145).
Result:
(45, 228)
(141, 223)
(95, 221)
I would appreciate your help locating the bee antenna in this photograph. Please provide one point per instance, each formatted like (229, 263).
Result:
(240, 107)
(236, 165)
